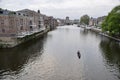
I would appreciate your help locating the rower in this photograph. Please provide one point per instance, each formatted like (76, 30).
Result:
(78, 54)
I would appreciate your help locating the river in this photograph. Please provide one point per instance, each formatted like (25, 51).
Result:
(54, 57)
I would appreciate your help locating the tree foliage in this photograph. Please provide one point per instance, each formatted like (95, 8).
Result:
(84, 19)
(112, 22)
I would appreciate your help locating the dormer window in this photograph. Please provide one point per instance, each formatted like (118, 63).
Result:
(19, 14)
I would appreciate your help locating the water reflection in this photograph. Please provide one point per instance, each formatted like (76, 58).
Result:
(55, 57)
(111, 52)
(13, 60)
(84, 32)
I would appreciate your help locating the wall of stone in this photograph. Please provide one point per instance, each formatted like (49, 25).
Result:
(11, 25)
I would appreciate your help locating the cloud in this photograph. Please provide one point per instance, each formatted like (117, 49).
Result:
(72, 8)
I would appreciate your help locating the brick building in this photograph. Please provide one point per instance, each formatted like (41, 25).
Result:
(11, 25)
(20, 23)
(24, 22)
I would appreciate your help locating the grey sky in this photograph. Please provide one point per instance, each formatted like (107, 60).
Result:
(62, 8)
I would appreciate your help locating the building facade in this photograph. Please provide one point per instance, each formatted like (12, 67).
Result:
(13, 24)
(17, 27)
(67, 21)
(92, 22)
(96, 21)
(24, 22)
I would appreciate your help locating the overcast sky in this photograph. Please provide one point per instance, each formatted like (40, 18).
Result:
(62, 8)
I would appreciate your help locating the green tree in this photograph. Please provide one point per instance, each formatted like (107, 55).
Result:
(112, 22)
(84, 19)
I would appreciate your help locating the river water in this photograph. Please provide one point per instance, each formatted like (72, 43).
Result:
(54, 57)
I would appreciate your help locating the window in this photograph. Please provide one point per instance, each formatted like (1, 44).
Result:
(2, 21)
(21, 21)
(21, 28)
(3, 30)
(15, 13)
(31, 28)
(23, 14)
(39, 22)
(39, 26)
(30, 22)
(19, 14)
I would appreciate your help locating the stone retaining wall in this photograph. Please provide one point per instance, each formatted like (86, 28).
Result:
(9, 42)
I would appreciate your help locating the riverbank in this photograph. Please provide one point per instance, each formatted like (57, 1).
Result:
(99, 31)
(10, 42)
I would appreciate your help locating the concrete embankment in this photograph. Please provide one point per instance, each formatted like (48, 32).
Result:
(9, 42)
(110, 37)
(103, 34)
(96, 30)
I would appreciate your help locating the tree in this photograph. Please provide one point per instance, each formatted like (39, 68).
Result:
(84, 19)
(112, 22)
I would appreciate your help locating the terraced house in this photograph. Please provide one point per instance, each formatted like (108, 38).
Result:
(18, 24)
